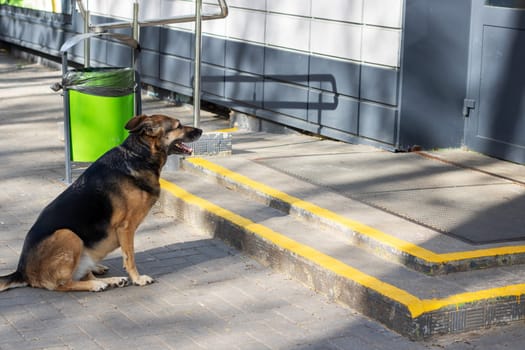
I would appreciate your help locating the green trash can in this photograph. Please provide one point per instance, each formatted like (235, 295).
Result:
(101, 101)
(98, 102)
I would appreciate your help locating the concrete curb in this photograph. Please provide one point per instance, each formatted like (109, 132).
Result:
(394, 307)
(368, 238)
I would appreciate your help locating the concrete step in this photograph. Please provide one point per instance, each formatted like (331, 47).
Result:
(414, 304)
(379, 232)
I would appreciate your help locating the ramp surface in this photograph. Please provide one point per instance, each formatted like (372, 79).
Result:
(441, 196)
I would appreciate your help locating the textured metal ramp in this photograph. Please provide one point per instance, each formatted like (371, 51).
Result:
(213, 143)
(469, 205)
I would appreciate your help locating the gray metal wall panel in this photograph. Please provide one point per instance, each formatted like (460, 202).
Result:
(212, 79)
(379, 85)
(175, 70)
(284, 98)
(377, 122)
(299, 90)
(286, 66)
(98, 52)
(335, 76)
(244, 88)
(119, 55)
(434, 78)
(6, 27)
(501, 89)
(245, 57)
(496, 73)
(280, 118)
(150, 38)
(175, 42)
(76, 52)
(149, 64)
(333, 111)
(214, 52)
(167, 85)
(35, 36)
(77, 25)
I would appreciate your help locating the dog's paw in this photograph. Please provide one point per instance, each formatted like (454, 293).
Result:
(143, 280)
(98, 286)
(100, 269)
(118, 282)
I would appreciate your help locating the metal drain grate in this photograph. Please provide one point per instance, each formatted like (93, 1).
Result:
(209, 144)
(213, 143)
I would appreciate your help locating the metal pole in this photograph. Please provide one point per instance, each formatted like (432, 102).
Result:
(87, 43)
(134, 58)
(135, 33)
(67, 127)
(197, 69)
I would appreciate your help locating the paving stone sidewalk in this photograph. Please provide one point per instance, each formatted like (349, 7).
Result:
(206, 296)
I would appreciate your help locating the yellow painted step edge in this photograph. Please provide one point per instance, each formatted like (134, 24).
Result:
(399, 244)
(415, 305)
(234, 129)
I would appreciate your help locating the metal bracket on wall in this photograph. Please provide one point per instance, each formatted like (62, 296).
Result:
(468, 104)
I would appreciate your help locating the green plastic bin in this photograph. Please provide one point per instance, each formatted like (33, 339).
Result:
(101, 101)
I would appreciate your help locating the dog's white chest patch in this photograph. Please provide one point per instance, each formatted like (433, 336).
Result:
(85, 265)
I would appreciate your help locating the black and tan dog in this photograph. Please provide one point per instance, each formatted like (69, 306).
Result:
(100, 212)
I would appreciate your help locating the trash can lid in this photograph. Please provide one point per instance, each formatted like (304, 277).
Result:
(108, 81)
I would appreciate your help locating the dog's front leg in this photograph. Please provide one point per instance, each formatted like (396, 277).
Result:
(128, 257)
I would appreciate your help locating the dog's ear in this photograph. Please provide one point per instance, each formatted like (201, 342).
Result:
(135, 123)
(143, 124)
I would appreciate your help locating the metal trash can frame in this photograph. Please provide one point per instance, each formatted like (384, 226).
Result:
(97, 104)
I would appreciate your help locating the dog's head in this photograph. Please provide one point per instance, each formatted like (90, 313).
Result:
(164, 133)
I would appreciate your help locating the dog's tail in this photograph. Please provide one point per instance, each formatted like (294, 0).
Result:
(12, 280)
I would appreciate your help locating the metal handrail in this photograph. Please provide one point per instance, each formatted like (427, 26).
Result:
(154, 22)
(135, 24)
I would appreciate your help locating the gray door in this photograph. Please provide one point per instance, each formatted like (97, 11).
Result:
(496, 124)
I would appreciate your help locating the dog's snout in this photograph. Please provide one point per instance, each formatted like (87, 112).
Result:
(193, 134)
(197, 132)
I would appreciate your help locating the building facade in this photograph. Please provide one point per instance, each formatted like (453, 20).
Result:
(391, 73)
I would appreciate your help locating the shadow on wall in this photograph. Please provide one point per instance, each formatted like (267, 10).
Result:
(274, 91)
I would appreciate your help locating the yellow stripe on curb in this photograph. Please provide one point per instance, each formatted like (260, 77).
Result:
(323, 260)
(399, 244)
(234, 129)
(415, 305)
(510, 291)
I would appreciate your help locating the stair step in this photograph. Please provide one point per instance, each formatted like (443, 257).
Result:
(388, 236)
(405, 300)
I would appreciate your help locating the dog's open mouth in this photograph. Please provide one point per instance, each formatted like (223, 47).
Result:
(180, 148)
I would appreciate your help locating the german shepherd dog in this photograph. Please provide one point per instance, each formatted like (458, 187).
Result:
(100, 212)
